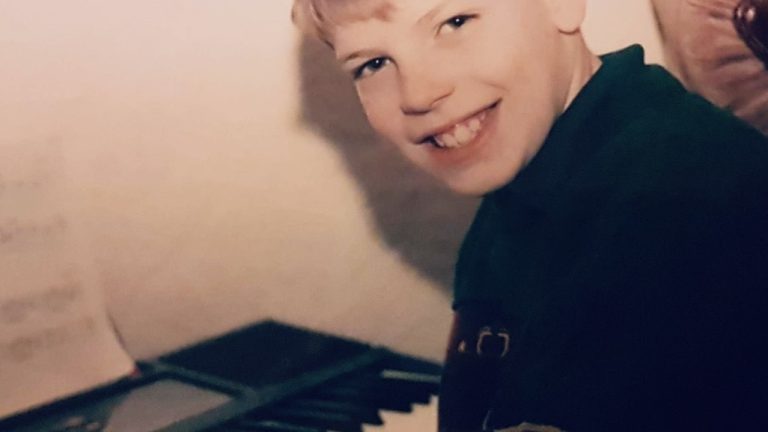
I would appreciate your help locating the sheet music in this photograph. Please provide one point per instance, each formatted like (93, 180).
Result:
(55, 335)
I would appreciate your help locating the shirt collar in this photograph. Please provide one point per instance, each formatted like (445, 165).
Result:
(572, 138)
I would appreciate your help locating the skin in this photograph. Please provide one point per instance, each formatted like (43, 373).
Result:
(432, 64)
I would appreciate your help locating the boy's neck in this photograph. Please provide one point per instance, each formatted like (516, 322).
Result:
(586, 64)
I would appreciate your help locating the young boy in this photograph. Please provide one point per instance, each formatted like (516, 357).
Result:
(615, 276)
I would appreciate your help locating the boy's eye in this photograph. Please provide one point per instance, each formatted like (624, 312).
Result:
(370, 67)
(456, 22)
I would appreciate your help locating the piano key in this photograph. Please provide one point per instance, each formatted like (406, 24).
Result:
(422, 419)
(364, 414)
(414, 387)
(388, 401)
(429, 381)
(310, 418)
(414, 392)
(272, 426)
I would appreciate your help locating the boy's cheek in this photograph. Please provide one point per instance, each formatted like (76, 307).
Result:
(382, 111)
(376, 90)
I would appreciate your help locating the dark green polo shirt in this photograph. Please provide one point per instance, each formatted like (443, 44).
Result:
(631, 257)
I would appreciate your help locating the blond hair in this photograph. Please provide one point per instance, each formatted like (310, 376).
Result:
(319, 17)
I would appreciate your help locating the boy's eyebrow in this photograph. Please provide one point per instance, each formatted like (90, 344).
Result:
(358, 54)
(429, 15)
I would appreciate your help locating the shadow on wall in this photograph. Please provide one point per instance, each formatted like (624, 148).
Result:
(417, 217)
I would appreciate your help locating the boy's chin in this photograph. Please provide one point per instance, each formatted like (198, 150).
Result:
(474, 186)
(482, 177)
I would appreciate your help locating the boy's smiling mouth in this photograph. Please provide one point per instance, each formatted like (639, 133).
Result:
(461, 133)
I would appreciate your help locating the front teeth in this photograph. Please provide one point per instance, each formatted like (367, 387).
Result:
(475, 124)
(462, 133)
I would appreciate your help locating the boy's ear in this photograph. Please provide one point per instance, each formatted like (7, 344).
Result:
(568, 15)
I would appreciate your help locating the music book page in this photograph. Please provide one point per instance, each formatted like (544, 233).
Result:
(55, 335)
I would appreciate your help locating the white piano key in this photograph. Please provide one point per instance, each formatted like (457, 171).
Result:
(423, 418)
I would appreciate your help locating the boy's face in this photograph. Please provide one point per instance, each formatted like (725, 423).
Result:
(466, 89)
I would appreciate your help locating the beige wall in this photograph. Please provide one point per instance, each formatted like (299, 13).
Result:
(612, 24)
(218, 182)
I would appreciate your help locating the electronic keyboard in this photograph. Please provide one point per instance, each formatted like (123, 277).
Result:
(267, 377)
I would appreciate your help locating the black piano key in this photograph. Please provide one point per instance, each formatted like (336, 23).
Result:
(416, 393)
(409, 386)
(409, 364)
(273, 426)
(363, 396)
(235, 428)
(419, 386)
(430, 382)
(224, 429)
(311, 418)
(373, 383)
(362, 413)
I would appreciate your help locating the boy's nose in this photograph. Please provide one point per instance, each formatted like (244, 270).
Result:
(422, 91)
